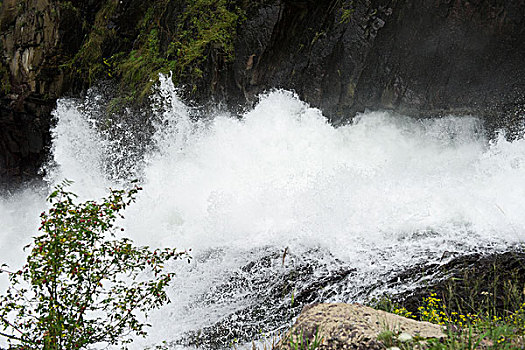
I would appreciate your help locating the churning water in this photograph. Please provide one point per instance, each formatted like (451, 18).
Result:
(281, 203)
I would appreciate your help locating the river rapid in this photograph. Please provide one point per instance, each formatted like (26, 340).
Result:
(279, 205)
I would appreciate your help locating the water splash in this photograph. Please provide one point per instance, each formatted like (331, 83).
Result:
(351, 205)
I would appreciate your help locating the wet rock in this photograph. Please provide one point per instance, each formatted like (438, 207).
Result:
(426, 58)
(353, 326)
(38, 40)
(277, 286)
(472, 283)
(24, 137)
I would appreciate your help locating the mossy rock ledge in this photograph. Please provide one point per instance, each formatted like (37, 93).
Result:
(352, 326)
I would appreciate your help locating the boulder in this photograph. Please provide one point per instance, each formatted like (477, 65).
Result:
(353, 326)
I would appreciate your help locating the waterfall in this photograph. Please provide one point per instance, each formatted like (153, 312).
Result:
(350, 205)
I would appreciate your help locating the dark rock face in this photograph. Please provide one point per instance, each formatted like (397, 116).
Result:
(35, 36)
(316, 51)
(269, 281)
(449, 56)
(37, 39)
(24, 137)
(423, 58)
(420, 58)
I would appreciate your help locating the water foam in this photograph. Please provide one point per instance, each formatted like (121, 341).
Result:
(376, 196)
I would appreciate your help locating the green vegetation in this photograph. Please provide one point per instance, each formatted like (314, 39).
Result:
(347, 9)
(82, 286)
(300, 342)
(478, 300)
(67, 5)
(178, 42)
(205, 23)
(88, 62)
(481, 330)
(202, 25)
(5, 83)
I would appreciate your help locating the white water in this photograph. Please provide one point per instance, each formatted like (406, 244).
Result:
(380, 195)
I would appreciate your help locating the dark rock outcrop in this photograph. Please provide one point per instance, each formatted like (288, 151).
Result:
(441, 57)
(39, 40)
(423, 58)
(278, 286)
(420, 58)
(35, 36)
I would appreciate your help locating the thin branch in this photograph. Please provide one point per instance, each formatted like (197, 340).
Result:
(11, 325)
(21, 339)
(11, 336)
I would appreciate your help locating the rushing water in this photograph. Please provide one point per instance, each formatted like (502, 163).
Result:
(351, 206)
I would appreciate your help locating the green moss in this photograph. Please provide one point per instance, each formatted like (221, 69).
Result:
(347, 9)
(202, 25)
(67, 5)
(141, 68)
(88, 62)
(178, 42)
(5, 82)
(205, 23)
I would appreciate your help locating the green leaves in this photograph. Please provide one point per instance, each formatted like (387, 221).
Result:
(80, 285)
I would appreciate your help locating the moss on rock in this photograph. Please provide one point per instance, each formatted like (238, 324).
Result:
(169, 35)
(88, 61)
(201, 26)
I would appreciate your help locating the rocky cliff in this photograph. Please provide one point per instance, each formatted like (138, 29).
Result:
(36, 37)
(423, 58)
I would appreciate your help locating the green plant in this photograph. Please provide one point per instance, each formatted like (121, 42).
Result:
(472, 331)
(481, 329)
(88, 63)
(206, 22)
(164, 41)
(465, 340)
(81, 285)
(202, 25)
(300, 342)
(347, 9)
(387, 337)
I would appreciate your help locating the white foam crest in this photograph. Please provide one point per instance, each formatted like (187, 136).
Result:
(173, 122)
(282, 173)
(78, 151)
(19, 221)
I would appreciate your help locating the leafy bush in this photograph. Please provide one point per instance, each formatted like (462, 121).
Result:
(81, 285)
